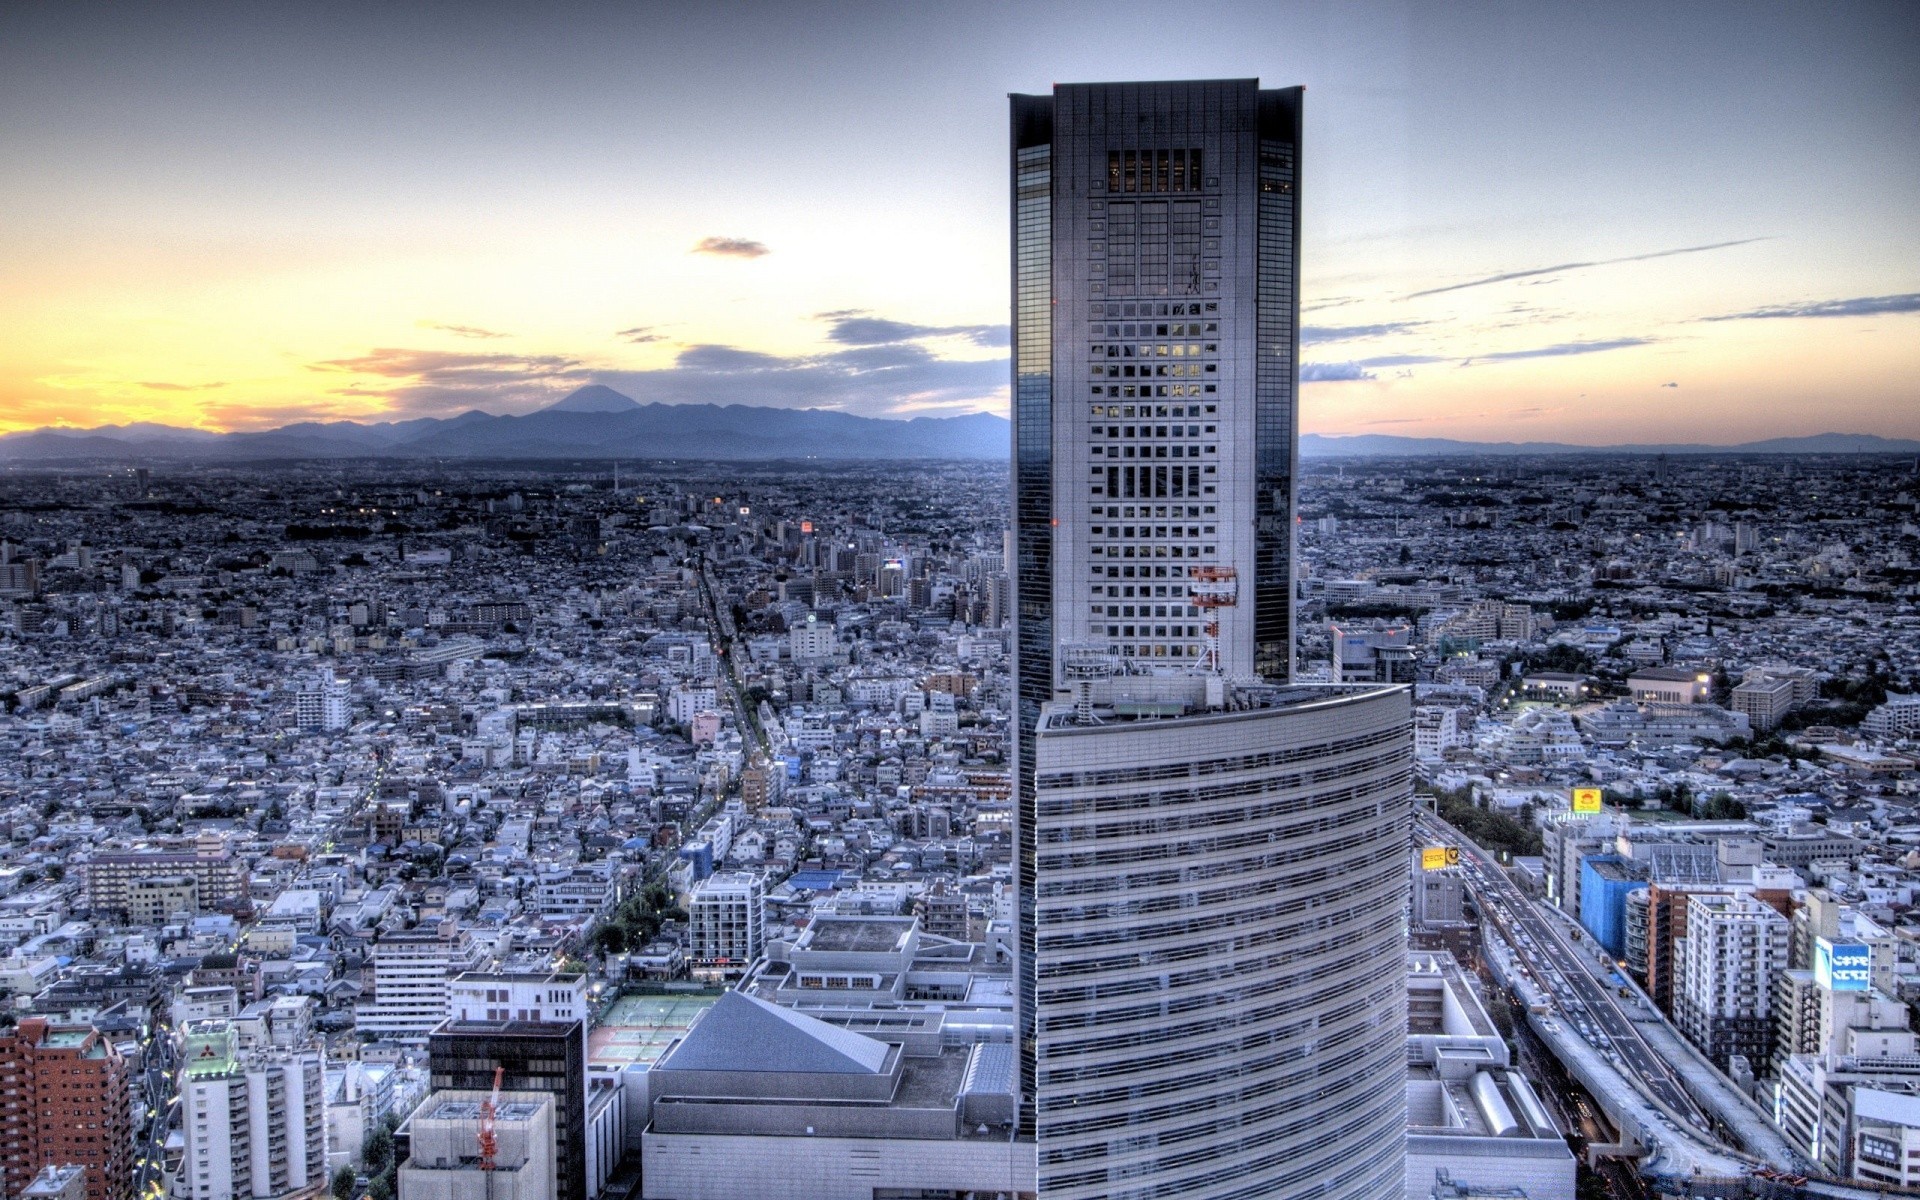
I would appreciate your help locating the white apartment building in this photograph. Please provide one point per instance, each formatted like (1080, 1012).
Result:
(411, 971)
(584, 891)
(1436, 729)
(684, 702)
(253, 1116)
(1723, 993)
(726, 922)
(325, 704)
(812, 641)
(1898, 717)
(522, 996)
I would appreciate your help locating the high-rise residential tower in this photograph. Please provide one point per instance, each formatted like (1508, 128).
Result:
(254, 1116)
(1211, 862)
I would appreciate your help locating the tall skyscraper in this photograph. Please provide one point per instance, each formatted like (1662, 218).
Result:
(1211, 862)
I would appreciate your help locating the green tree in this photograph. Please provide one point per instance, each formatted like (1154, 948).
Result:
(376, 1155)
(1592, 1187)
(1497, 831)
(343, 1184)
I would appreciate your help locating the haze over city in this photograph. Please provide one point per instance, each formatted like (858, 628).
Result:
(1617, 223)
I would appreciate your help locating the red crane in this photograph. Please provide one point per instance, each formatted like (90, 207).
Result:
(489, 1145)
(1212, 589)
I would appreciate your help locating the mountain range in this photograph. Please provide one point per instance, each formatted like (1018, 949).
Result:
(593, 422)
(1378, 445)
(597, 422)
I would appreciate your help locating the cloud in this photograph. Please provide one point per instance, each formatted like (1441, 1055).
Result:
(729, 247)
(882, 379)
(1310, 334)
(1402, 360)
(1531, 272)
(180, 387)
(855, 327)
(1859, 306)
(1560, 350)
(1671, 385)
(886, 379)
(244, 418)
(450, 365)
(466, 331)
(435, 382)
(1346, 372)
(640, 335)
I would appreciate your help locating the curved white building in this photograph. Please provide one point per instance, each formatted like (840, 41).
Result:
(1221, 949)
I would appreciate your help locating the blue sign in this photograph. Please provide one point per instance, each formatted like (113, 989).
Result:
(1842, 966)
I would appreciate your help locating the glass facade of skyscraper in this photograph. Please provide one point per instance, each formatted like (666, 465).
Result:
(1210, 863)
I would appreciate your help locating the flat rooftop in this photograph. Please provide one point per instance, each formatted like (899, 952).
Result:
(1118, 709)
(1611, 870)
(932, 1082)
(856, 936)
(469, 1110)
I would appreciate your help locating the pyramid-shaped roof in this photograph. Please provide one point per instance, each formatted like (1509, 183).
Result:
(744, 1033)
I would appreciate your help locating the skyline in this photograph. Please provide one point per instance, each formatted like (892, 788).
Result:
(1520, 226)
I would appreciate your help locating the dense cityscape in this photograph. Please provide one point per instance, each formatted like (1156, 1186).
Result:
(295, 756)
(770, 616)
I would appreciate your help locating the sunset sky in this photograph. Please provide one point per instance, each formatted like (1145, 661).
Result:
(1592, 223)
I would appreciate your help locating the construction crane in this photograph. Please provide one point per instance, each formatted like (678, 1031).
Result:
(489, 1144)
(1212, 589)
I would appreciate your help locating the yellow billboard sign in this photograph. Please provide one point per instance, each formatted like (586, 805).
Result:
(1586, 800)
(1439, 858)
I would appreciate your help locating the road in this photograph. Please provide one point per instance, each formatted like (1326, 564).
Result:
(1587, 1003)
(158, 1100)
(724, 648)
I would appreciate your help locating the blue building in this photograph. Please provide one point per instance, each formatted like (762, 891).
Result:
(1605, 881)
(700, 854)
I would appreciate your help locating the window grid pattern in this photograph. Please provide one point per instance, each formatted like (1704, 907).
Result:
(1158, 453)
(1274, 413)
(1222, 956)
(1033, 534)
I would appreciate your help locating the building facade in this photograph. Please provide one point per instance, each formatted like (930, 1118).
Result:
(1723, 999)
(411, 972)
(1221, 950)
(1208, 941)
(65, 1098)
(727, 922)
(325, 704)
(114, 881)
(1155, 320)
(533, 1027)
(254, 1118)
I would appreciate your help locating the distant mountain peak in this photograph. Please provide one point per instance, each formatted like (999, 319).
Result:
(594, 398)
